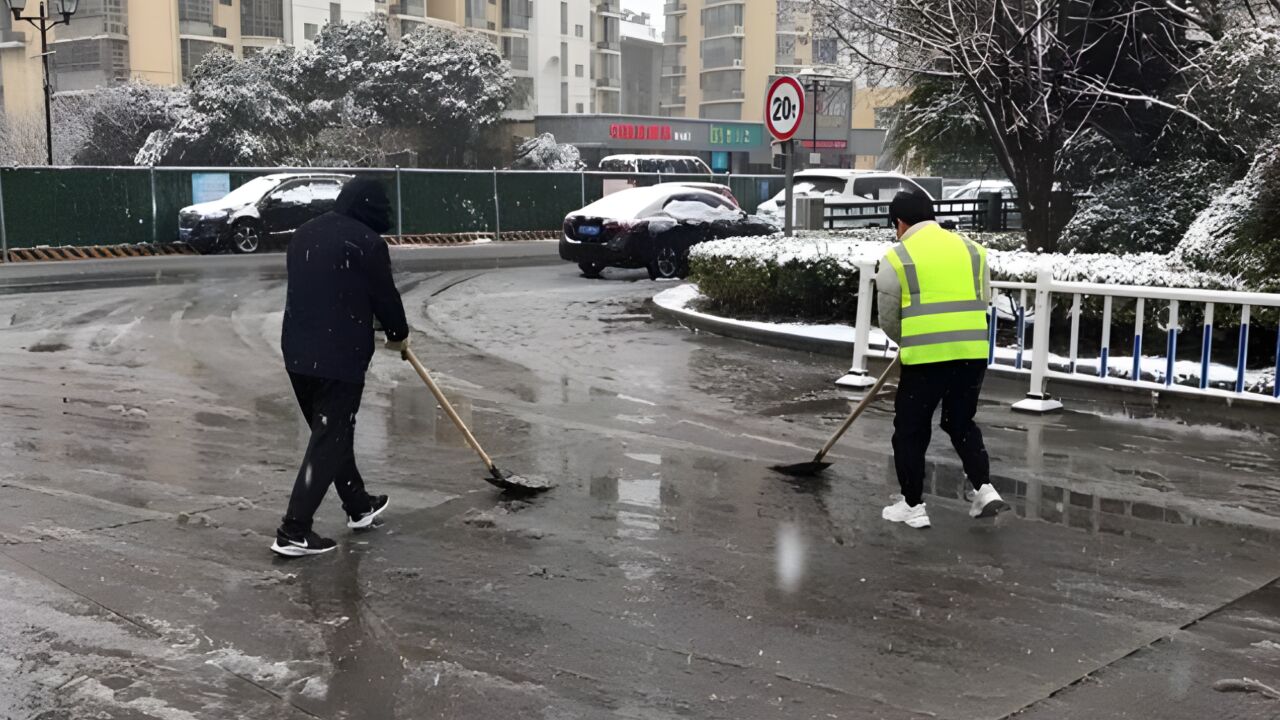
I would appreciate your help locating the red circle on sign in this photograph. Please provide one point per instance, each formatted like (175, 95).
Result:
(778, 128)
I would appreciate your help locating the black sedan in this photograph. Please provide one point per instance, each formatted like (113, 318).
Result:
(652, 228)
(263, 212)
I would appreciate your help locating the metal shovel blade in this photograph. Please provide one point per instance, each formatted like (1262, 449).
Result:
(804, 469)
(519, 484)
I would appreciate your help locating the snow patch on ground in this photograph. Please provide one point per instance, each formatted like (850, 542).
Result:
(254, 668)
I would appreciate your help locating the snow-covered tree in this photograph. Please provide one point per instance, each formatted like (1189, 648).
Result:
(1237, 233)
(120, 118)
(1144, 209)
(544, 153)
(350, 98)
(1035, 72)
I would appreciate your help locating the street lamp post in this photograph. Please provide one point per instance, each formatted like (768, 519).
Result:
(815, 85)
(43, 23)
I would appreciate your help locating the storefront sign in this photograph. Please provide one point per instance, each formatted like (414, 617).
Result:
(743, 136)
(662, 133)
(826, 144)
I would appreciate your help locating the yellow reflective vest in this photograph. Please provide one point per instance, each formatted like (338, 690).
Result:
(944, 308)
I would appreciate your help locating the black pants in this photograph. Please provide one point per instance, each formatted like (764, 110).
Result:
(330, 408)
(956, 385)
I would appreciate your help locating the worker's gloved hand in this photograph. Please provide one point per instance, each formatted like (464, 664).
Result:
(399, 346)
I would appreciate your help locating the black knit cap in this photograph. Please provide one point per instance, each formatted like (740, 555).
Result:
(911, 207)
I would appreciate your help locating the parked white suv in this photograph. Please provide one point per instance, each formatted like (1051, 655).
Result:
(850, 185)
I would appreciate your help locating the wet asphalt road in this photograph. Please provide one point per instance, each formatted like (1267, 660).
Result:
(148, 440)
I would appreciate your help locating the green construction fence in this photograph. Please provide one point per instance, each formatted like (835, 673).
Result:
(82, 206)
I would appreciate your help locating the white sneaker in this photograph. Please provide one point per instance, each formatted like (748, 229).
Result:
(987, 503)
(900, 512)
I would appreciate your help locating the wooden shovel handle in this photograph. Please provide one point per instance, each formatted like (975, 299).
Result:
(871, 396)
(444, 403)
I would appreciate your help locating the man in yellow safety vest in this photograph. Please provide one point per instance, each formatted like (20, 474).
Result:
(933, 290)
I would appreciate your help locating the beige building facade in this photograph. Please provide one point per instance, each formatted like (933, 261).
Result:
(719, 57)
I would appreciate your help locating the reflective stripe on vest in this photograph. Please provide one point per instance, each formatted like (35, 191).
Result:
(944, 316)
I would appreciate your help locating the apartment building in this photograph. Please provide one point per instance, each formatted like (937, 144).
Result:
(641, 64)
(720, 54)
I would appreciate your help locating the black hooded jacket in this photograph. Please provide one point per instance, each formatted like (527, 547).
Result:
(339, 281)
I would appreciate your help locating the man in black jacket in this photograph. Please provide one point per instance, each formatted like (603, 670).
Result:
(339, 282)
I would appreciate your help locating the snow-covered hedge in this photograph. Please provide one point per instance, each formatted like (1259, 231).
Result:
(814, 277)
(1239, 232)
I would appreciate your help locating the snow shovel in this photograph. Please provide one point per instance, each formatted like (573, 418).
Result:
(509, 482)
(817, 465)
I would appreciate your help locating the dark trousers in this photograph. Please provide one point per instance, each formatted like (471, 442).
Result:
(330, 408)
(956, 385)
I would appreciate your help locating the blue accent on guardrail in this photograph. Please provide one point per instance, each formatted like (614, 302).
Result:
(1242, 356)
(1022, 335)
(1137, 358)
(1171, 353)
(1205, 350)
(1105, 363)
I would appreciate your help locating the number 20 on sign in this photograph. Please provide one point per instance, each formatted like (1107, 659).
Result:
(784, 108)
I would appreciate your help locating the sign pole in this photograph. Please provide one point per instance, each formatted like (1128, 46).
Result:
(789, 151)
(783, 112)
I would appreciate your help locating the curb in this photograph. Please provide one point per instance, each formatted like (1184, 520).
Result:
(109, 252)
(772, 338)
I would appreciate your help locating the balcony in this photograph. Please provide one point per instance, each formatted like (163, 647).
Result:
(733, 95)
(609, 46)
(609, 83)
(672, 39)
(675, 71)
(677, 101)
(673, 8)
(609, 7)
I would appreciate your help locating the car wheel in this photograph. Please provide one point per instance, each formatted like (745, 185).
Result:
(246, 238)
(590, 269)
(667, 263)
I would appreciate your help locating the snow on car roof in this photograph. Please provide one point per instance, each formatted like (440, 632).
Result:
(631, 202)
(632, 157)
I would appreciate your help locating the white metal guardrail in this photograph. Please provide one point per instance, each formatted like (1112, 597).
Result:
(1041, 365)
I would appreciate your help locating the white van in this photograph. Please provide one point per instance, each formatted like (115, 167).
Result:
(839, 184)
(667, 164)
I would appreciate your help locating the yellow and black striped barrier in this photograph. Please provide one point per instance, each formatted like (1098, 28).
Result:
(107, 252)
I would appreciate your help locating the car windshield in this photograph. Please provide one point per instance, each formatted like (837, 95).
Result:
(251, 191)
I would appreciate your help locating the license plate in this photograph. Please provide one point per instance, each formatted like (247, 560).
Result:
(589, 230)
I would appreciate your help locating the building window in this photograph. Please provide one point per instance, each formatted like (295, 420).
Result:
(195, 11)
(219, 31)
(262, 18)
(225, 2)
(722, 20)
(477, 14)
(564, 18)
(195, 17)
(521, 94)
(310, 30)
(721, 111)
(516, 14)
(564, 98)
(825, 51)
(193, 51)
(577, 31)
(416, 8)
(580, 109)
(578, 70)
(335, 13)
(564, 59)
(721, 53)
(516, 51)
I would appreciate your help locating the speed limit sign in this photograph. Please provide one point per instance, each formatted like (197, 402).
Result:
(784, 107)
